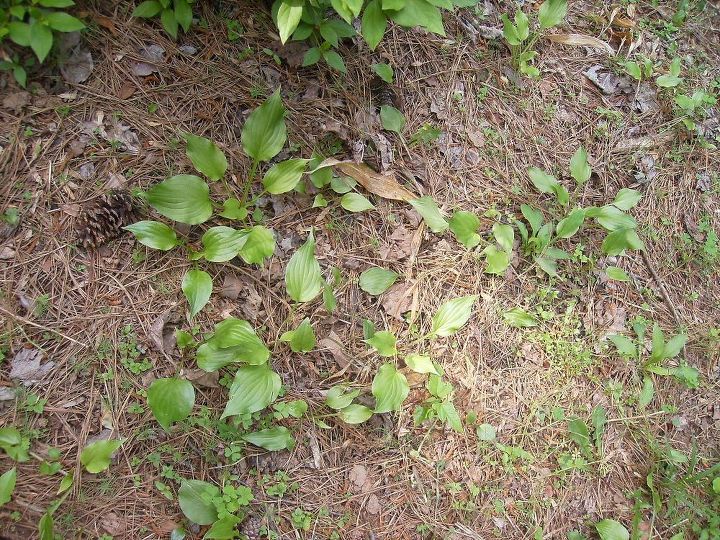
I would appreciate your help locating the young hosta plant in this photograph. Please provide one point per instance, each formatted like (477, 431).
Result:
(233, 341)
(170, 400)
(521, 39)
(96, 456)
(174, 14)
(660, 351)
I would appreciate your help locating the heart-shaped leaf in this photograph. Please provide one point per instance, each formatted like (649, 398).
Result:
(197, 286)
(253, 389)
(264, 133)
(95, 457)
(390, 388)
(377, 280)
(184, 198)
(170, 400)
(207, 158)
(452, 316)
(154, 234)
(384, 342)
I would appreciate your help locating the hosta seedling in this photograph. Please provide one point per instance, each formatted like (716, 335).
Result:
(95, 457)
(170, 400)
(302, 339)
(173, 14)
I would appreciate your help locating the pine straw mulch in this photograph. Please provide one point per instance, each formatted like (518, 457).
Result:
(386, 478)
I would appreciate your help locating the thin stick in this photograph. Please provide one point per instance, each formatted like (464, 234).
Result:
(40, 326)
(661, 286)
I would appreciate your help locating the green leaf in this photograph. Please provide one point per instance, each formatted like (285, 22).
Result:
(384, 343)
(347, 9)
(626, 198)
(624, 345)
(14, 443)
(354, 202)
(19, 32)
(618, 274)
(611, 218)
(312, 57)
(377, 280)
(392, 119)
(184, 198)
(420, 363)
(264, 133)
(288, 18)
(464, 226)
(284, 176)
(7, 485)
(355, 414)
(390, 388)
(448, 414)
(392, 5)
(510, 32)
(196, 501)
(170, 400)
(233, 209)
(46, 527)
(533, 216)
(567, 227)
(646, 393)
(519, 318)
(452, 315)
(239, 336)
(147, 9)
(169, 22)
(419, 13)
(197, 286)
(544, 182)
(504, 235)
(384, 71)
(497, 260)
(220, 244)
(183, 14)
(96, 456)
(580, 435)
(633, 69)
(609, 529)
(674, 346)
(56, 3)
(62, 22)
(430, 212)
(579, 167)
(154, 234)
(618, 241)
(337, 397)
(486, 432)
(259, 245)
(320, 201)
(273, 439)
(41, 40)
(551, 13)
(668, 81)
(438, 388)
(523, 26)
(374, 24)
(303, 279)
(302, 339)
(329, 299)
(224, 528)
(253, 389)
(334, 60)
(342, 184)
(206, 156)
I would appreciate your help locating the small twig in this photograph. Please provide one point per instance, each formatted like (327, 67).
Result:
(23, 320)
(661, 286)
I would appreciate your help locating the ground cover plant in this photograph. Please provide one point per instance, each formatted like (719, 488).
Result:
(359, 270)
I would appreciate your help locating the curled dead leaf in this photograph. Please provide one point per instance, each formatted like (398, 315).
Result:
(385, 186)
(581, 40)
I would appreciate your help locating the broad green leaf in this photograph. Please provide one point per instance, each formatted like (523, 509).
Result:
(19, 32)
(41, 40)
(624, 345)
(329, 299)
(224, 528)
(430, 212)
(618, 241)
(354, 202)
(547, 265)
(355, 414)
(420, 363)
(633, 69)
(259, 245)
(147, 9)
(342, 184)
(519, 318)
(392, 5)
(646, 393)
(66, 482)
(626, 198)
(7, 485)
(668, 81)
(63, 22)
(687, 375)
(510, 31)
(46, 527)
(320, 201)
(264, 133)
(195, 498)
(95, 457)
(233, 209)
(206, 156)
(220, 244)
(504, 235)
(338, 398)
(288, 18)
(579, 167)
(183, 14)
(374, 23)
(448, 414)
(273, 439)
(392, 119)
(197, 286)
(334, 60)
(452, 316)
(184, 198)
(658, 343)
(674, 346)
(464, 226)
(609, 529)
(312, 57)
(347, 9)
(390, 388)
(238, 335)
(284, 176)
(419, 13)
(438, 388)
(486, 432)
(253, 389)
(618, 274)
(544, 182)
(611, 218)
(497, 260)
(377, 280)
(551, 13)
(522, 24)
(211, 357)
(384, 71)
(154, 234)
(384, 343)
(15, 444)
(170, 400)
(533, 216)
(567, 227)
(580, 434)
(303, 279)
(169, 22)
(302, 339)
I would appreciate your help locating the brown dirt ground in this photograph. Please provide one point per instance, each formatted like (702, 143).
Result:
(386, 478)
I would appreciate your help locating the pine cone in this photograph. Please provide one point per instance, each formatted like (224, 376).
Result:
(250, 527)
(104, 218)
(382, 93)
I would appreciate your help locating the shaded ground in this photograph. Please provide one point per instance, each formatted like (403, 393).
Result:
(92, 313)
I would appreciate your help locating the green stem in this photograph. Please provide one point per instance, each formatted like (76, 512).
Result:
(249, 181)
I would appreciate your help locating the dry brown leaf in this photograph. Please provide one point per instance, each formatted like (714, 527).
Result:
(582, 40)
(382, 185)
(373, 505)
(200, 377)
(358, 476)
(25, 366)
(333, 343)
(397, 300)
